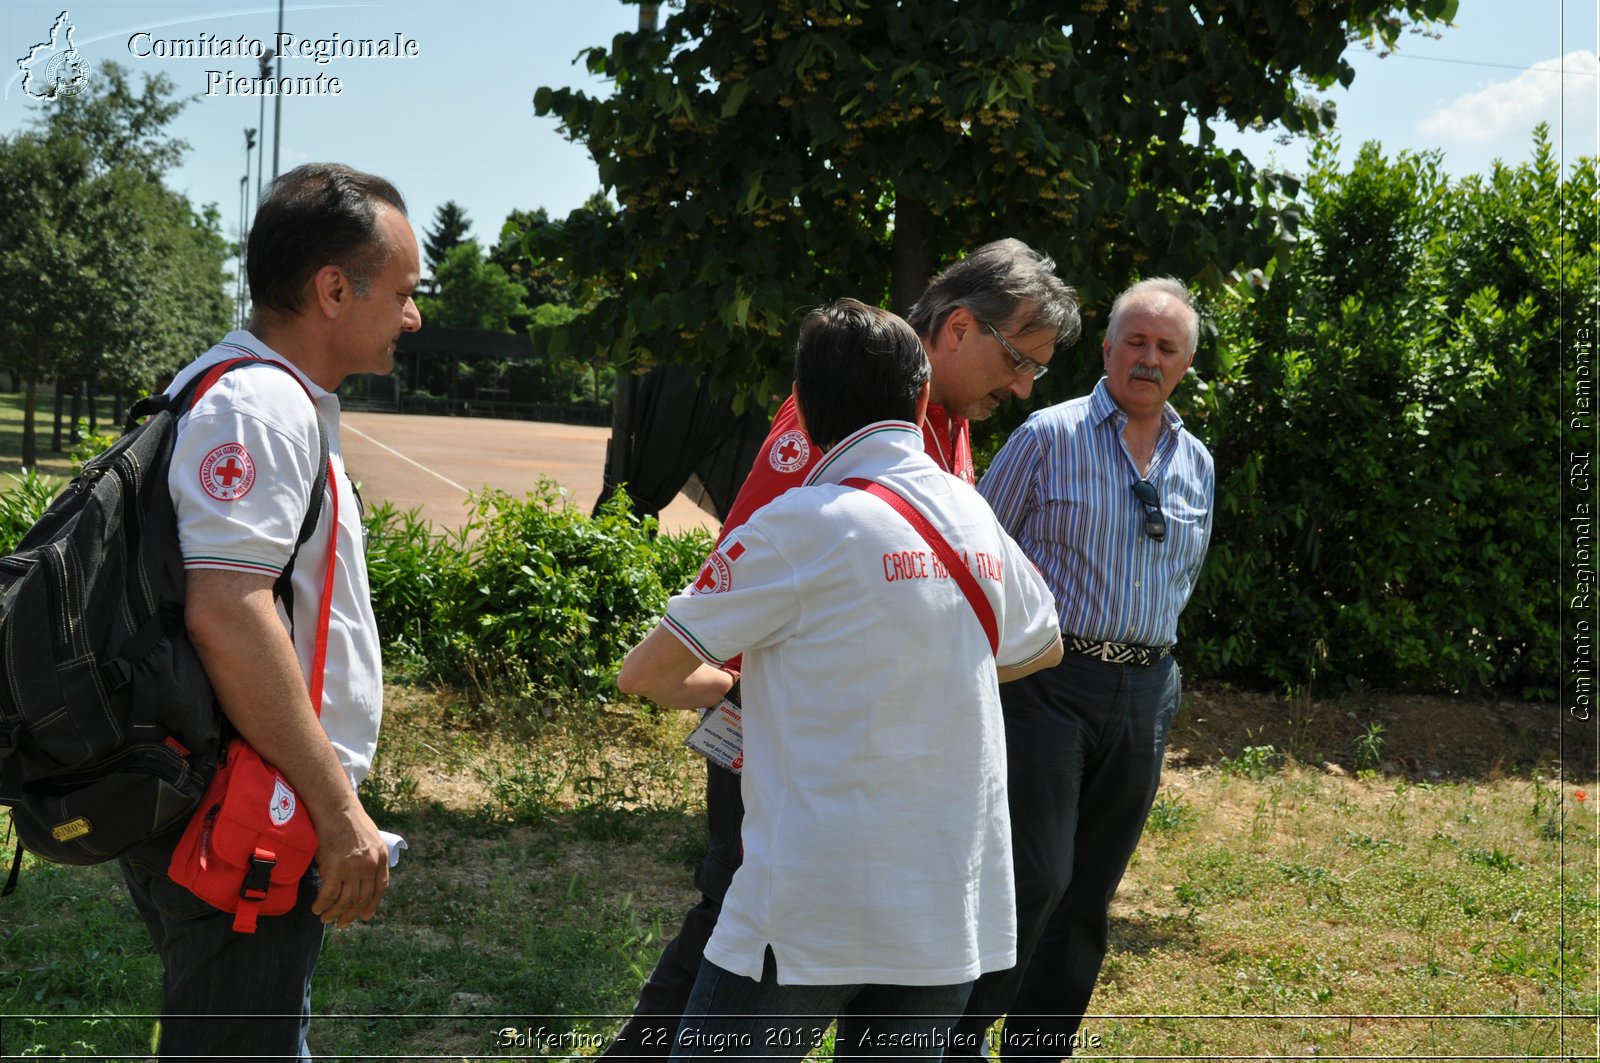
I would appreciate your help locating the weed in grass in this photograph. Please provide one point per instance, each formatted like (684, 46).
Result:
(1253, 762)
(1168, 815)
(639, 943)
(1319, 881)
(1367, 843)
(1524, 959)
(1302, 744)
(1368, 751)
(1217, 875)
(386, 796)
(1494, 858)
(526, 793)
(1546, 811)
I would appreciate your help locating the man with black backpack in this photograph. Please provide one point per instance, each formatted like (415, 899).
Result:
(332, 263)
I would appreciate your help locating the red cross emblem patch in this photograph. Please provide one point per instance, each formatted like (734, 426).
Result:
(789, 452)
(227, 474)
(283, 803)
(716, 575)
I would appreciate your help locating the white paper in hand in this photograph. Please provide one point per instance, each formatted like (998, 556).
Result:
(719, 737)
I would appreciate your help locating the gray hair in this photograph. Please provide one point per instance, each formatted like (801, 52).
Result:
(1006, 283)
(1168, 286)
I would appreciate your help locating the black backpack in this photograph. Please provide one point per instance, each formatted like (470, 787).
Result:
(109, 730)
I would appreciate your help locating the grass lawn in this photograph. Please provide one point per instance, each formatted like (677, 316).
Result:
(1439, 903)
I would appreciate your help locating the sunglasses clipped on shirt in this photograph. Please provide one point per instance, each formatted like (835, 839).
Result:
(1155, 521)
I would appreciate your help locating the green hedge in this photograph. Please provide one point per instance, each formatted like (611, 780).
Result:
(1384, 419)
(532, 597)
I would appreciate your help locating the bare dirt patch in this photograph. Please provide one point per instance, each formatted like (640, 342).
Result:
(1422, 737)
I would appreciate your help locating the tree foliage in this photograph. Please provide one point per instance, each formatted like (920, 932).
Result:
(471, 292)
(515, 252)
(106, 276)
(449, 230)
(1382, 428)
(537, 251)
(772, 154)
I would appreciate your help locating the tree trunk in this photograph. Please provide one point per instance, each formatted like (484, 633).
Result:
(55, 435)
(908, 256)
(30, 402)
(79, 390)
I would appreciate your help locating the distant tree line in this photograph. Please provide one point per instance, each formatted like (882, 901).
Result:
(108, 279)
(519, 285)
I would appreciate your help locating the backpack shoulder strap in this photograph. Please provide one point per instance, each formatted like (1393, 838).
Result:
(146, 638)
(283, 588)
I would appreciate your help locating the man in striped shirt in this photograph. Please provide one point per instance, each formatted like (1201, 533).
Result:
(1112, 499)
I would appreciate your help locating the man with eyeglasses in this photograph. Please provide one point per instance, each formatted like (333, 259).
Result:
(1112, 499)
(989, 324)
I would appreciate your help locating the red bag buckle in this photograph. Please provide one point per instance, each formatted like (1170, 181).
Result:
(258, 877)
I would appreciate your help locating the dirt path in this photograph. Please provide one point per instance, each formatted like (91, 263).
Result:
(432, 463)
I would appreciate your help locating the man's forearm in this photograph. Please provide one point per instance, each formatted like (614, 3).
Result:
(233, 622)
(662, 669)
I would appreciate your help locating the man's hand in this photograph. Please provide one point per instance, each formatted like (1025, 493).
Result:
(354, 863)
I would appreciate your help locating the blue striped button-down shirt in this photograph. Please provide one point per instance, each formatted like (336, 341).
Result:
(1063, 487)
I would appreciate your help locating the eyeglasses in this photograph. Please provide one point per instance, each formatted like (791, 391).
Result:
(1155, 521)
(1019, 362)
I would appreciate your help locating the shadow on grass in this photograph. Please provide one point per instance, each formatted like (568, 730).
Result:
(1142, 935)
(1454, 738)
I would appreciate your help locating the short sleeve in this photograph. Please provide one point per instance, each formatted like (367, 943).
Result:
(745, 596)
(1030, 626)
(240, 481)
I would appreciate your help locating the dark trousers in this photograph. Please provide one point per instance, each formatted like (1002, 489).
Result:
(225, 994)
(1084, 742)
(648, 1034)
(731, 1017)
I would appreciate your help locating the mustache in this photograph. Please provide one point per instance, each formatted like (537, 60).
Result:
(1147, 372)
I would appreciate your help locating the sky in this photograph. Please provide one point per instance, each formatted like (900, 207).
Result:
(452, 117)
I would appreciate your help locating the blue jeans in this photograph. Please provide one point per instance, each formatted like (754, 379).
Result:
(224, 993)
(1084, 744)
(732, 1017)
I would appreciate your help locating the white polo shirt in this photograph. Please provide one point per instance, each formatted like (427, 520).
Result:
(241, 478)
(877, 845)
